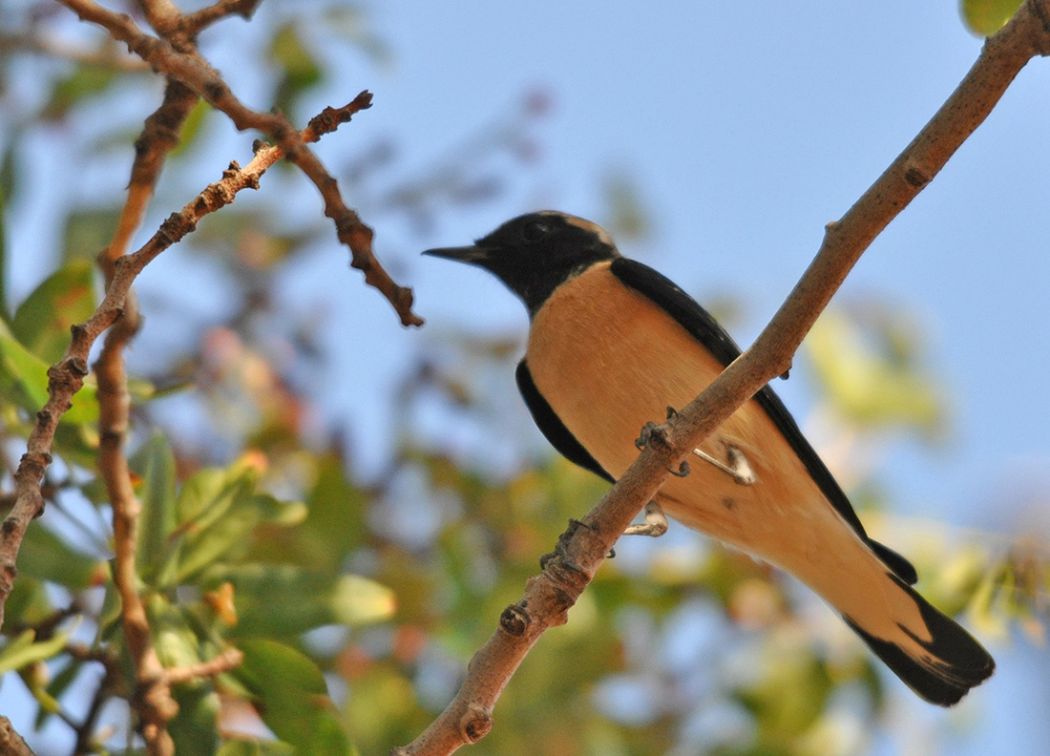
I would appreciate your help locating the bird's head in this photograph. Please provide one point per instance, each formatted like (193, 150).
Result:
(534, 253)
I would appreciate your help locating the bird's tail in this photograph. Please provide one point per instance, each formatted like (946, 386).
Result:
(931, 653)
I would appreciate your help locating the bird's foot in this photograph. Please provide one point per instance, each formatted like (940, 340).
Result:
(560, 549)
(660, 434)
(738, 468)
(655, 524)
(652, 433)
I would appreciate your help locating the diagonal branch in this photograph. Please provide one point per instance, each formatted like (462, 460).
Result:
(195, 72)
(66, 377)
(549, 595)
(193, 23)
(11, 742)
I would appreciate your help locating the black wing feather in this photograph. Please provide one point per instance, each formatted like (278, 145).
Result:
(552, 428)
(705, 329)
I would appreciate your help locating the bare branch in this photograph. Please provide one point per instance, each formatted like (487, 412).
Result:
(10, 741)
(153, 700)
(549, 595)
(229, 659)
(195, 72)
(160, 134)
(192, 23)
(66, 377)
(109, 683)
(109, 58)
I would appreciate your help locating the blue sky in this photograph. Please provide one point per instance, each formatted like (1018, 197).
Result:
(746, 127)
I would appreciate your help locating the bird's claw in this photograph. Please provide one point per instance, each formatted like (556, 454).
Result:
(655, 524)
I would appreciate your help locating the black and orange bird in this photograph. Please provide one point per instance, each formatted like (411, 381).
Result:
(612, 344)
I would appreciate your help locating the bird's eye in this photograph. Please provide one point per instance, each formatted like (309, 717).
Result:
(534, 230)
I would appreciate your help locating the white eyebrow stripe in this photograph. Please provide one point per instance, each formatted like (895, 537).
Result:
(590, 227)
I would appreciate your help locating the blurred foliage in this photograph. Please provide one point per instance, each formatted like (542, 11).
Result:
(869, 367)
(358, 600)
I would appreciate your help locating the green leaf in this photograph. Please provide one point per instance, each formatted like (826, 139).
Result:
(9, 170)
(286, 600)
(228, 537)
(255, 748)
(357, 600)
(175, 640)
(5, 167)
(193, 127)
(28, 603)
(195, 728)
(870, 374)
(334, 525)
(55, 690)
(82, 84)
(23, 378)
(203, 500)
(88, 232)
(46, 556)
(22, 651)
(206, 496)
(109, 615)
(983, 613)
(218, 511)
(42, 321)
(292, 697)
(156, 463)
(301, 70)
(626, 208)
(986, 17)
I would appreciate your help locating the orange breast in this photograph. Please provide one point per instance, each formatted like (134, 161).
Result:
(608, 360)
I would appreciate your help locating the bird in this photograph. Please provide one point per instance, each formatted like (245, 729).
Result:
(612, 344)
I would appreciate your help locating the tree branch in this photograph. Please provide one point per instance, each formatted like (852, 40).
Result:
(66, 377)
(224, 662)
(109, 58)
(195, 72)
(153, 701)
(582, 549)
(10, 741)
(193, 23)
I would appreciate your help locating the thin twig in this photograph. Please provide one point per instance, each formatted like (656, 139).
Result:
(66, 376)
(548, 596)
(110, 682)
(195, 72)
(193, 23)
(229, 659)
(103, 58)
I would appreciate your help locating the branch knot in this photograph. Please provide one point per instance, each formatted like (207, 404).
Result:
(475, 723)
(515, 620)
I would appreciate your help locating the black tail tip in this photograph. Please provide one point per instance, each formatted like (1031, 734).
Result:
(950, 664)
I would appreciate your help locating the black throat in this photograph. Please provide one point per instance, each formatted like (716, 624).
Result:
(535, 254)
(536, 286)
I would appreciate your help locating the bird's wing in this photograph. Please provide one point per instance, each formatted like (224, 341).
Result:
(705, 329)
(552, 428)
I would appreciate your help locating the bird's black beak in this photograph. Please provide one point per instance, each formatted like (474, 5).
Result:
(473, 255)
